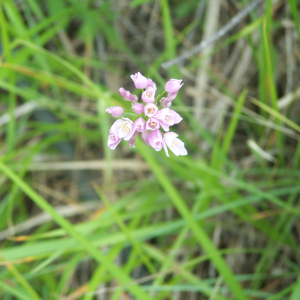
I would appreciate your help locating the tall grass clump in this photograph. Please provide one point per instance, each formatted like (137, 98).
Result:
(80, 221)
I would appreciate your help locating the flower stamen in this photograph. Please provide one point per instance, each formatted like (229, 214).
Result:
(150, 110)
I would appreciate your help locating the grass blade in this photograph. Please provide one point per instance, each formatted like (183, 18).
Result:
(199, 233)
(84, 242)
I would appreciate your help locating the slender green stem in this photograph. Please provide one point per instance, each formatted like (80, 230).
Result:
(273, 92)
(159, 97)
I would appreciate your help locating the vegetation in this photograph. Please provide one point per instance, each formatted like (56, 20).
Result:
(80, 221)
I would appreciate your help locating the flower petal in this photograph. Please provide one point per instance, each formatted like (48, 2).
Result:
(177, 117)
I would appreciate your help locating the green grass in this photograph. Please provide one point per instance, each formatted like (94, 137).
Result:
(220, 223)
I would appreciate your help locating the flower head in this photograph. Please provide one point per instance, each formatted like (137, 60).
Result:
(140, 81)
(175, 145)
(155, 116)
(115, 111)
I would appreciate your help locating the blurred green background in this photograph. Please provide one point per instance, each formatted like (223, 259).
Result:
(80, 221)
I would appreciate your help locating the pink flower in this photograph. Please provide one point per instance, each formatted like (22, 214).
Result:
(132, 140)
(140, 81)
(138, 108)
(145, 136)
(113, 140)
(172, 96)
(148, 95)
(167, 118)
(151, 84)
(155, 139)
(148, 125)
(123, 128)
(116, 111)
(150, 110)
(139, 125)
(173, 86)
(176, 145)
(165, 102)
(127, 96)
(152, 124)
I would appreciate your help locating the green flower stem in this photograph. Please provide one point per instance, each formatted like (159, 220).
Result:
(159, 97)
(136, 118)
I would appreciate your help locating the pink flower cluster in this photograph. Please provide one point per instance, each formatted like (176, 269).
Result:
(155, 117)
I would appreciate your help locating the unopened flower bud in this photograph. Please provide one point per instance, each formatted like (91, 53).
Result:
(151, 84)
(140, 81)
(127, 96)
(165, 102)
(173, 86)
(138, 108)
(115, 111)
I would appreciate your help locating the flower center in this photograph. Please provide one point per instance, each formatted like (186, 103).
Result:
(153, 124)
(148, 94)
(174, 143)
(168, 118)
(150, 110)
(125, 127)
